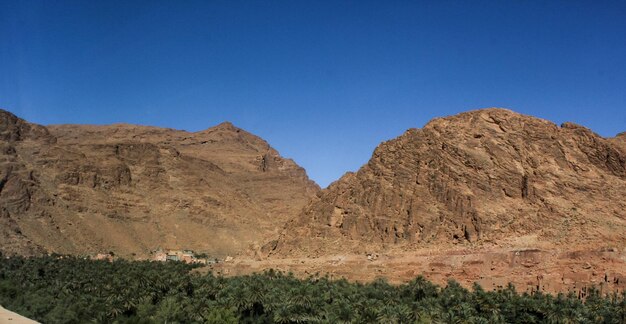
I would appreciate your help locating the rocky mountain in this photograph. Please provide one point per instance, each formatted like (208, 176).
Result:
(483, 178)
(130, 189)
(620, 140)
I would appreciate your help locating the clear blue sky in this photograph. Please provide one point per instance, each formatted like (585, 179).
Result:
(323, 82)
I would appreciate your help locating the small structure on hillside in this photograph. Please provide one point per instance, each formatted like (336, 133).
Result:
(160, 255)
(172, 257)
(103, 256)
(187, 256)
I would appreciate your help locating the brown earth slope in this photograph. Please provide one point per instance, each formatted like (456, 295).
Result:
(485, 178)
(130, 189)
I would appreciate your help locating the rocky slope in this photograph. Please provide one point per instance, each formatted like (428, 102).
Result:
(620, 141)
(130, 189)
(482, 178)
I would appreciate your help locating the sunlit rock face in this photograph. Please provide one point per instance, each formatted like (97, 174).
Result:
(130, 189)
(482, 177)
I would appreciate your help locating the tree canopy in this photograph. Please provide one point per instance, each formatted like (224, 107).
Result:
(65, 289)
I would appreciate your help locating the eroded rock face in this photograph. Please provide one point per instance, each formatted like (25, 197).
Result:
(481, 177)
(14, 129)
(620, 141)
(19, 185)
(83, 189)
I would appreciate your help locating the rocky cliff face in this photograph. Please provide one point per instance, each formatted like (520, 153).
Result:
(483, 177)
(620, 141)
(20, 191)
(130, 189)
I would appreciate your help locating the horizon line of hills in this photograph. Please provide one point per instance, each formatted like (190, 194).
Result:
(480, 178)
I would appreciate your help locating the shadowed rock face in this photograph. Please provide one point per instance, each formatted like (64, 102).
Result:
(479, 177)
(129, 189)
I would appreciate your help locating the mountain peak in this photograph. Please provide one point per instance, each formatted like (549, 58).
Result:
(484, 175)
(226, 125)
(13, 128)
(216, 191)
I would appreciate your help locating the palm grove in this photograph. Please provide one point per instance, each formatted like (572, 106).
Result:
(65, 289)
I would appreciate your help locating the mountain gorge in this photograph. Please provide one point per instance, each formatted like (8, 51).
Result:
(488, 196)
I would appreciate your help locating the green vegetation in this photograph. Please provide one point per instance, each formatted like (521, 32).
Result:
(74, 290)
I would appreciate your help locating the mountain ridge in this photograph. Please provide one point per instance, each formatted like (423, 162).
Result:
(456, 179)
(130, 188)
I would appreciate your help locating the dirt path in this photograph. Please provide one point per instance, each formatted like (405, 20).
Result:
(9, 317)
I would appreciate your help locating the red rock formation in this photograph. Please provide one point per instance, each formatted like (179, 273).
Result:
(489, 176)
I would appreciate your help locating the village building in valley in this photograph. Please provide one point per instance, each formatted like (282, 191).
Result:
(187, 256)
